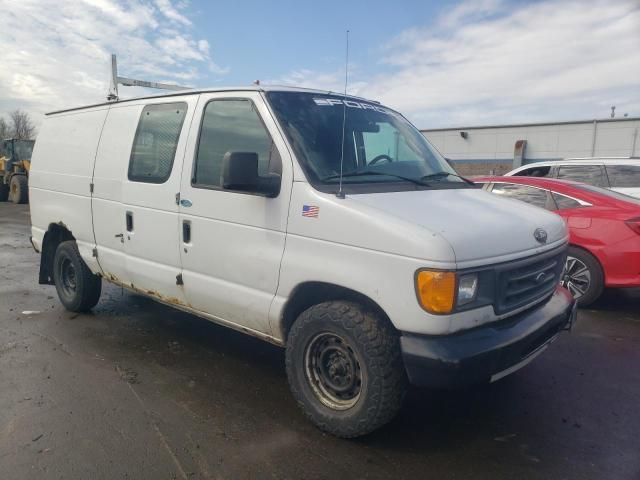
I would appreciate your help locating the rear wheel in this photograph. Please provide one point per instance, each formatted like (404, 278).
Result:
(583, 276)
(345, 368)
(19, 189)
(78, 288)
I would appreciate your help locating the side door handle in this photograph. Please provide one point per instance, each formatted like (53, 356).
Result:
(186, 231)
(129, 217)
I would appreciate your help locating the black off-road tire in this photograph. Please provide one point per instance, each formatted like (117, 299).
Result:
(596, 285)
(78, 288)
(375, 345)
(19, 189)
(4, 191)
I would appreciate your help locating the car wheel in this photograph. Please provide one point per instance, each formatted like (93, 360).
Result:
(583, 276)
(345, 368)
(78, 288)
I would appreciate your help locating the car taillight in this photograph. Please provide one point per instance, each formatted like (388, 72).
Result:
(634, 224)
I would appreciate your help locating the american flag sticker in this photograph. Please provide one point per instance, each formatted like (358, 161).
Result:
(310, 211)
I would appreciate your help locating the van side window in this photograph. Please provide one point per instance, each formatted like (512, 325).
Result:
(589, 174)
(232, 126)
(154, 146)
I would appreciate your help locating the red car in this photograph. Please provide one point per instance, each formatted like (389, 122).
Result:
(604, 230)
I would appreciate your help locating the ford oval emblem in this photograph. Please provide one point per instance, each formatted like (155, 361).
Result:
(540, 235)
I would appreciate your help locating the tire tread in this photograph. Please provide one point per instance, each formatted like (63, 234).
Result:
(380, 345)
(90, 284)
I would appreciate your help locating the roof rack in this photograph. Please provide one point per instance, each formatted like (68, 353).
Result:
(112, 96)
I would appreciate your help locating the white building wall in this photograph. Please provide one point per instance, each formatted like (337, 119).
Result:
(495, 145)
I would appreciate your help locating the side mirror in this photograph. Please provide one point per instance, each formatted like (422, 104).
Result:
(240, 172)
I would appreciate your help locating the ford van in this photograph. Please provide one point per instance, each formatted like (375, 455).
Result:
(323, 223)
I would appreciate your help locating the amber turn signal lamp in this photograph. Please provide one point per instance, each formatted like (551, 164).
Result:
(436, 290)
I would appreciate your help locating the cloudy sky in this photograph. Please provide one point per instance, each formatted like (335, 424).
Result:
(443, 63)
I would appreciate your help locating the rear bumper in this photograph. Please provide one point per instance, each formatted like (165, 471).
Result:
(490, 352)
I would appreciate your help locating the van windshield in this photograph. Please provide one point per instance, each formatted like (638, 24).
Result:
(381, 148)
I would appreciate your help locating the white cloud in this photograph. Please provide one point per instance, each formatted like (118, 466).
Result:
(203, 46)
(488, 62)
(542, 61)
(172, 13)
(56, 54)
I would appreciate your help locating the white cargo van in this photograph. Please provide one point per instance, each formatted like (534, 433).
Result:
(230, 204)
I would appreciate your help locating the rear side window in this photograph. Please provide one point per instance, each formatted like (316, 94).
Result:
(533, 196)
(624, 176)
(589, 174)
(534, 172)
(563, 202)
(232, 126)
(154, 146)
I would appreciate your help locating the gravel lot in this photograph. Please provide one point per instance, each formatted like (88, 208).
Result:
(138, 390)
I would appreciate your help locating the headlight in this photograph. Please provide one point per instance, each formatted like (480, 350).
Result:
(436, 290)
(467, 288)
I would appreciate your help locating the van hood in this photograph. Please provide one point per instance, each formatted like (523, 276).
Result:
(478, 225)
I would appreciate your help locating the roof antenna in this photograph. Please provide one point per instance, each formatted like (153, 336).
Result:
(340, 193)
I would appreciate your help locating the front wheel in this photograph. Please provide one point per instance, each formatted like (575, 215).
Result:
(345, 368)
(583, 276)
(78, 288)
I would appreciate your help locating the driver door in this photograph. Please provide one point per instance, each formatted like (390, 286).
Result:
(232, 242)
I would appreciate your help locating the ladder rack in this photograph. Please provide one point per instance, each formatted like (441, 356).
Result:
(116, 80)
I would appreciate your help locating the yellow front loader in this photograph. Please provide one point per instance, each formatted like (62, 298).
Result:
(15, 161)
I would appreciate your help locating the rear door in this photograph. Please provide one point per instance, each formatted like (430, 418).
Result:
(624, 178)
(231, 241)
(589, 174)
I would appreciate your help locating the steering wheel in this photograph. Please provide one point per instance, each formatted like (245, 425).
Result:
(381, 157)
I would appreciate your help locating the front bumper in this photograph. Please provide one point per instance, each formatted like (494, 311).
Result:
(489, 352)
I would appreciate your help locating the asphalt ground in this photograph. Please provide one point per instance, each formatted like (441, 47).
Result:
(138, 390)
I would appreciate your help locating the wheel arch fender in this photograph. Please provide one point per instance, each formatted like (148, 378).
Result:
(56, 233)
(310, 293)
(594, 254)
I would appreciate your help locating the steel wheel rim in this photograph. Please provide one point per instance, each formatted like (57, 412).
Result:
(69, 283)
(576, 277)
(333, 371)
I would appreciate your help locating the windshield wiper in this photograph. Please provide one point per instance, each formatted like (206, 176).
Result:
(417, 181)
(446, 174)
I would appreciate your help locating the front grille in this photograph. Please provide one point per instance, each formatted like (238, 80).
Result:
(526, 281)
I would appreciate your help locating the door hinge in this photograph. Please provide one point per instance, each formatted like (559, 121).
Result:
(178, 198)
(95, 252)
(179, 279)
(91, 187)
